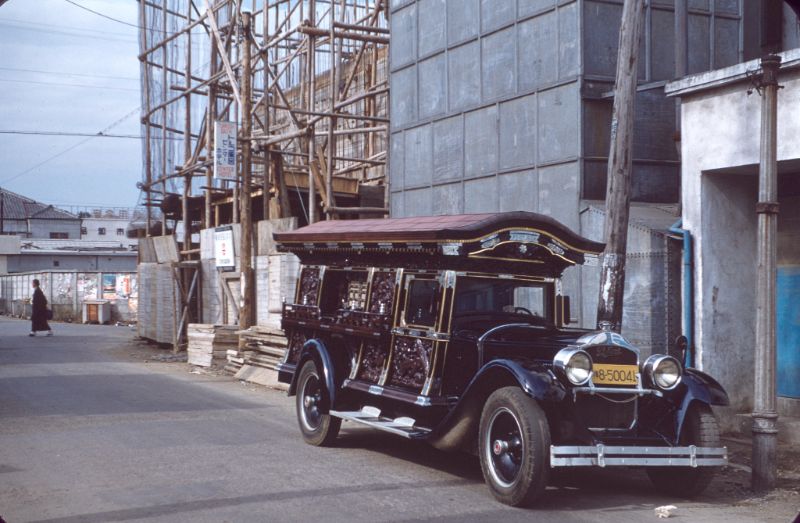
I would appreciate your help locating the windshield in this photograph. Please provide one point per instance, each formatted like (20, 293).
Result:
(502, 296)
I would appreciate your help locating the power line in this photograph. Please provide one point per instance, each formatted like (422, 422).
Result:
(60, 73)
(91, 135)
(101, 14)
(74, 146)
(74, 35)
(112, 18)
(83, 86)
(132, 35)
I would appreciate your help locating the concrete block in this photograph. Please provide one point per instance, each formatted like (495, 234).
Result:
(601, 37)
(463, 76)
(403, 50)
(497, 13)
(480, 141)
(699, 33)
(463, 20)
(498, 75)
(480, 195)
(530, 7)
(419, 202)
(418, 156)
(448, 199)
(558, 193)
(397, 159)
(569, 50)
(448, 149)
(662, 63)
(432, 86)
(404, 97)
(397, 204)
(432, 26)
(726, 41)
(730, 7)
(266, 245)
(518, 191)
(558, 123)
(536, 40)
(518, 132)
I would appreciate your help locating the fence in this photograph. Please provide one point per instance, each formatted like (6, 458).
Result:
(67, 290)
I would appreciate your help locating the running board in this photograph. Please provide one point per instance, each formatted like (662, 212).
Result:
(605, 456)
(371, 417)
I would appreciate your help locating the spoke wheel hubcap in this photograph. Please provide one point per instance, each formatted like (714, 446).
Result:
(504, 447)
(312, 397)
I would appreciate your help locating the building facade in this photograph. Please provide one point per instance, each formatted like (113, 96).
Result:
(721, 115)
(27, 218)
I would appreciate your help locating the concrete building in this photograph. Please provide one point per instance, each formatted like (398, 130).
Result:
(108, 225)
(27, 218)
(502, 105)
(720, 148)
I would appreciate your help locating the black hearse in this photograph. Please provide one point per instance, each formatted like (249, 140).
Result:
(453, 330)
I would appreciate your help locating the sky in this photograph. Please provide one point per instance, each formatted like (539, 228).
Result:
(64, 69)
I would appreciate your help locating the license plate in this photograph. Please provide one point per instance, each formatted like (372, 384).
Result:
(605, 374)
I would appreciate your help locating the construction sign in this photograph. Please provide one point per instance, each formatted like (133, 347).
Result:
(225, 150)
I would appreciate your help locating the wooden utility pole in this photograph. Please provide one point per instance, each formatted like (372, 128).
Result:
(245, 203)
(620, 160)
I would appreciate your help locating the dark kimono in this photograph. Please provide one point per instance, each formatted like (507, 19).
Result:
(39, 314)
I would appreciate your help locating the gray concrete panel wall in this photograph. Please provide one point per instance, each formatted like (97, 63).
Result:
(43, 228)
(71, 262)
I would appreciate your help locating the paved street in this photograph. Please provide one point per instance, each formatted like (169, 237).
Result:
(91, 432)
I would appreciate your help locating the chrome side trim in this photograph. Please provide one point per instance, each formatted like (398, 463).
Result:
(610, 456)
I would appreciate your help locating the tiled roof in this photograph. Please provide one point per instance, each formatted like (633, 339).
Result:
(18, 207)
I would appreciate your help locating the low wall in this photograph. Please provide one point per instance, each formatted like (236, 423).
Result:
(67, 290)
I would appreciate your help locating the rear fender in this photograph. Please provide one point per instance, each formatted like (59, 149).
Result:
(314, 350)
(459, 428)
(702, 388)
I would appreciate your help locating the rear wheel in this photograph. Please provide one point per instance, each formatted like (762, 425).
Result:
(317, 428)
(514, 442)
(700, 428)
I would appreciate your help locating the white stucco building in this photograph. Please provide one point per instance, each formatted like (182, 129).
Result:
(720, 145)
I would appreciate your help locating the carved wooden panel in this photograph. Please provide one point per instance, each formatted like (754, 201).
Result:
(372, 361)
(309, 286)
(383, 285)
(296, 340)
(411, 361)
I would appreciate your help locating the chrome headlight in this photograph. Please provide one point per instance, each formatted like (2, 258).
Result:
(575, 365)
(663, 371)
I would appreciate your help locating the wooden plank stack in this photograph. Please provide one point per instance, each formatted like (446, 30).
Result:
(208, 342)
(263, 346)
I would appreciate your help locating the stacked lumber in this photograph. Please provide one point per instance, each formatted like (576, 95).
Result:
(263, 346)
(208, 342)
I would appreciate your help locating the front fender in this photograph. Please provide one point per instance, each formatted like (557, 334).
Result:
(460, 427)
(314, 350)
(701, 387)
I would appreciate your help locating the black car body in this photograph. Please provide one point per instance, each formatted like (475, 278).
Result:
(454, 330)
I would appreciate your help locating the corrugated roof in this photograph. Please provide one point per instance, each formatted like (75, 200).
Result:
(18, 207)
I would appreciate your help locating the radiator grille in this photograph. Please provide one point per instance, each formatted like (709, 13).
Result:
(596, 412)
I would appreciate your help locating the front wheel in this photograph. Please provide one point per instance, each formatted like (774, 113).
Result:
(700, 428)
(514, 442)
(317, 428)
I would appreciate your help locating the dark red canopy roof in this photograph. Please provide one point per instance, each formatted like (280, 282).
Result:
(435, 228)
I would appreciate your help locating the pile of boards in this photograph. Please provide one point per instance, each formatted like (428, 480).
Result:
(263, 346)
(208, 342)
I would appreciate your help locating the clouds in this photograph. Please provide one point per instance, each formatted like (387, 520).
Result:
(55, 36)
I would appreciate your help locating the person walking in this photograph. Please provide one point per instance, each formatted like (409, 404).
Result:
(40, 312)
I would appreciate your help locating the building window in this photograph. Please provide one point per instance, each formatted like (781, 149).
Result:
(120, 232)
(84, 232)
(123, 213)
(59, 235)
(56, 263)
(101, 231)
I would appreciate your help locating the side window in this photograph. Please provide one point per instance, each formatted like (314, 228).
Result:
(531, 299)
(421, 303)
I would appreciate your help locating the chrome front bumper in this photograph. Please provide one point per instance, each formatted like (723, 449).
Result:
(608, 456)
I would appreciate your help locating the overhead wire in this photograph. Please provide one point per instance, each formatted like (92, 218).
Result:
(74, 146)
(64, 73)
(98, 13)
(91, 135)
(61, 84)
